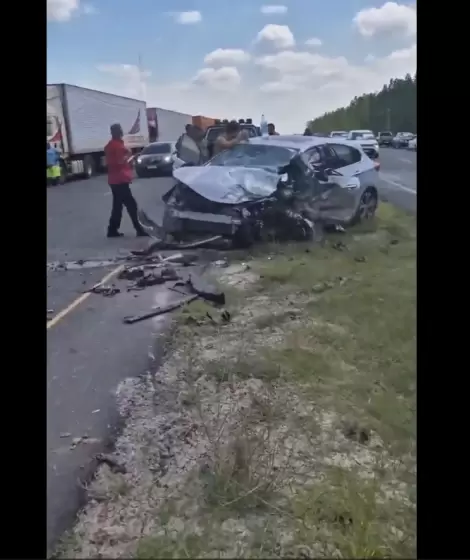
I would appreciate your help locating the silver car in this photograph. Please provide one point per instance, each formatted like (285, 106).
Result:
(337, 178)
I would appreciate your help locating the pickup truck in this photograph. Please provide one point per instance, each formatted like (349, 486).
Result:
(385, 138)
(213, 132)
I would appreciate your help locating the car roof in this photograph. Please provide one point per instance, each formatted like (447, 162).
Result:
(299, 142)
(161, 142)
(361, 130)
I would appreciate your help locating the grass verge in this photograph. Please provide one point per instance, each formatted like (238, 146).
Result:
(287, 431)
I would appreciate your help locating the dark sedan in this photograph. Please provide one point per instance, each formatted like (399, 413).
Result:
(155, 159)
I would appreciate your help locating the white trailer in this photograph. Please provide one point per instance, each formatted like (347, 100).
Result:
(168, 125)
(78, 121)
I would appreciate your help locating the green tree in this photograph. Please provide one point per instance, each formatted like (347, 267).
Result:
(392, 108)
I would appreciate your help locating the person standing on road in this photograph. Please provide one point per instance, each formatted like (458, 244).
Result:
(272, 130)
(119, 179)
(187, 128)
(53, 170)
(230, 138)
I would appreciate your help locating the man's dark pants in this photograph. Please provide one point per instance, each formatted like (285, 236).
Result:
(122, 196)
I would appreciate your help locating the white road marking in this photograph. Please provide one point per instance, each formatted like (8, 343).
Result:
(400, 186)
(405, 160)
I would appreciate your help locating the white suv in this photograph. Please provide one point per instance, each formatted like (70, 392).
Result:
(367, 140)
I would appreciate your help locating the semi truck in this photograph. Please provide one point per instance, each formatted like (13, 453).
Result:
(165, 125)
(78, 122)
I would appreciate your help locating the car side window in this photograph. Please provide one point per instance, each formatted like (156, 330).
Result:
(345, 155)
(312, 157)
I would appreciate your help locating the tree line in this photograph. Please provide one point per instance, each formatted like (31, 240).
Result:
(393, 108)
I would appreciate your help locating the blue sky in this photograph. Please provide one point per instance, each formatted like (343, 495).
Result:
(357, 46)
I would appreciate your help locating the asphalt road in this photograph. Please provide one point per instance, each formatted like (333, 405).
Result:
(90, 350)
(398, 177)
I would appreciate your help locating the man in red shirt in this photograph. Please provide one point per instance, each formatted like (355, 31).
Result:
(119, 179)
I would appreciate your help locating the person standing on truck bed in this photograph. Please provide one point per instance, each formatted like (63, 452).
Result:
(119, 179)
(230, 138)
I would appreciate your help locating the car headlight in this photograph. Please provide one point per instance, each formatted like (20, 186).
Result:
(167, 159)
(376, 145)
(139, 160)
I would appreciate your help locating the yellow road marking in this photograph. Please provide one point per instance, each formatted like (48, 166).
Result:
(80, 299)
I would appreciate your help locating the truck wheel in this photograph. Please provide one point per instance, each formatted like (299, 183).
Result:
(88, 166)
(63, 173)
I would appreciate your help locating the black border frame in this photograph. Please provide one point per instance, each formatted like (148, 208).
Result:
(442, 397)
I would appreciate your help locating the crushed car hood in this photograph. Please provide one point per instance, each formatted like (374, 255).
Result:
(229, 185)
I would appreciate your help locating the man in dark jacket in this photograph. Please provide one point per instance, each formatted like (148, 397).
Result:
(119, 178)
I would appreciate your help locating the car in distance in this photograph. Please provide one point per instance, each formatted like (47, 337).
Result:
(155, 159)
(338, 134)
(385, 138)
(401, 139)
(367, 141)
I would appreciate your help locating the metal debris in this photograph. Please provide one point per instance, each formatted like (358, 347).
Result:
(83, 439)
(107, 291)
(159, 310)
(222, 263)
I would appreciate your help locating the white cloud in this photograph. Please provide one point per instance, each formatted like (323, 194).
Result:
(225, 78)
(390, 18)
(289, 87)
(279, 36)
(226, 57)
(304, 64)
(187, 18)
(269, 10)
(61, 10)
(314, 42)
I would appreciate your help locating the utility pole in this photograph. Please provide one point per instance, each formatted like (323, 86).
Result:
(143, 89)
(388, 126)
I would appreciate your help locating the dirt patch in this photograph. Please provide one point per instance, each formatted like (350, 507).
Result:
(287, 431)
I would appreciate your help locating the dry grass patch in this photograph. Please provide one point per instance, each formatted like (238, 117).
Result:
(289, 430)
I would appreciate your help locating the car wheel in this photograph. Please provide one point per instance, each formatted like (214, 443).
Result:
(88, 166)
(366, 208)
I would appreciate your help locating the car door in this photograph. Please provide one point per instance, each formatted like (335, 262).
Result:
(330, 198)
(350, 162)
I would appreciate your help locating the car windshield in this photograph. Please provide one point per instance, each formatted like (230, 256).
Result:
(335, 134)
(254, 155)
(163, 148)
(386, 134)
(365, 135)
(214, 133)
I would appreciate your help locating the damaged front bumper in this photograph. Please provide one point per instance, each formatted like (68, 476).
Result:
(188, 222)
